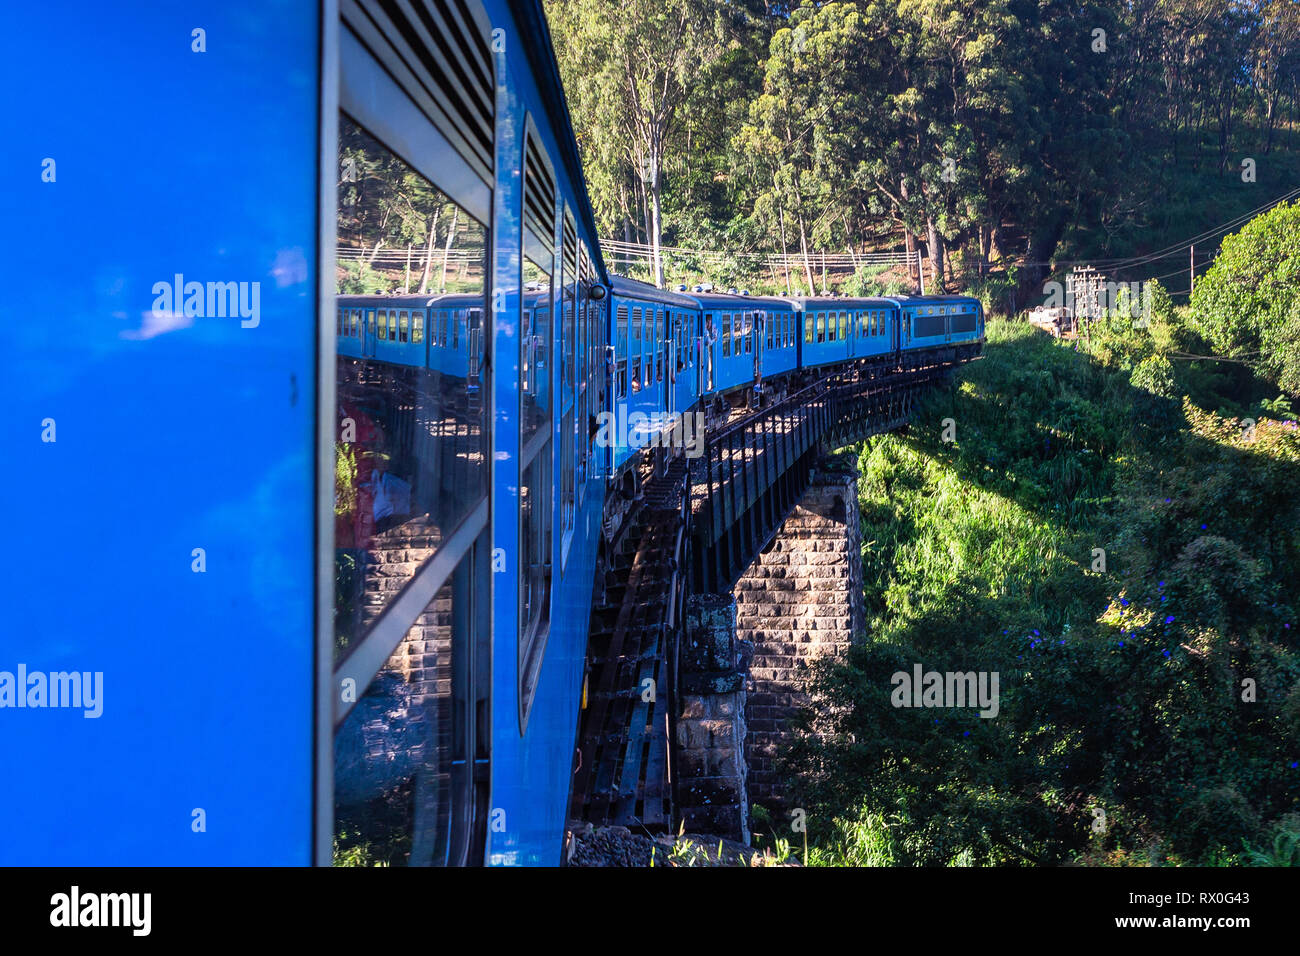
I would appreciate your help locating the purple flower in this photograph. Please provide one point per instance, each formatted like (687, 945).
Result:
(1124, 602)
(1202, 527)
(1166, 652)
(1169, 619)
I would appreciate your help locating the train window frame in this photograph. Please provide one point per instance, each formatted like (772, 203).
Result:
(809, 328)
(365, 88)
(661, 331)
(537, 451)
(404, 325)
(570, 291)
(635, 349)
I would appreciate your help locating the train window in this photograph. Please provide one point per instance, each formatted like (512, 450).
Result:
(568, 404)
(726, 333)
(538, 316)
(620, 353)
(417, 327)
(586, 394)
(414, 468)
(844, 325)
(534, 364)
(809, 332)
(636, 350)
(661, 334)
(411, 511)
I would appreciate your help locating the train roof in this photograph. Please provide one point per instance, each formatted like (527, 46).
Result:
(935, 299)
(839, 302)
(410, 300)
(635, 288)
(725, 300)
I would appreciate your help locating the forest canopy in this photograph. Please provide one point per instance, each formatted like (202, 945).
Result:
(986, 133)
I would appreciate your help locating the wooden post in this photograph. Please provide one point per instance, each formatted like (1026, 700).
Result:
(406, 286)
(920, 270)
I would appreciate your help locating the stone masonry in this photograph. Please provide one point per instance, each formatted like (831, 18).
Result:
(800, 600)
(710, 729)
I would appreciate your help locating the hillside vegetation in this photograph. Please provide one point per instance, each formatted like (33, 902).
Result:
(1158, 685)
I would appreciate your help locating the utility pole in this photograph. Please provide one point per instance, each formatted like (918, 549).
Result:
(920, 270)
(1192, 286)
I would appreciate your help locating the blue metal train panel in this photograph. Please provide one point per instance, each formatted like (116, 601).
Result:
(834, 330)
(735, 339)
(160, 395)
(656, 373)
(940, 321)
(532, 765)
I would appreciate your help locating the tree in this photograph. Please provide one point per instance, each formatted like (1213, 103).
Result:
(629, 68)
(1248, 303)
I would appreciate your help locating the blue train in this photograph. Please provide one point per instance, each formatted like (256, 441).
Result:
(724, 350)
(371, 475)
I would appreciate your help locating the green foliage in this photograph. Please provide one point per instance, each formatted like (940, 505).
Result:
(1248, 303)
(1121, 686)
(351, 850)
(356, 277)
(1284, 850)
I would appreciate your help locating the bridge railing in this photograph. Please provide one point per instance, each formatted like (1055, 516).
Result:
(755, 470)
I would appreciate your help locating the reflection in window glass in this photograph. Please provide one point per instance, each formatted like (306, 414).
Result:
(535, 364)
(399, 753)
(410, 456)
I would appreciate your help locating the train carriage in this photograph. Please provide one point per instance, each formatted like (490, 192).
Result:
(472, 761)
(736, 329)
(655, 375)
(943, 325)
(834, 329)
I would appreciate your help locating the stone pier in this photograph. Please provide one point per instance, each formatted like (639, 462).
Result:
(746, 657)
(799, 601)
